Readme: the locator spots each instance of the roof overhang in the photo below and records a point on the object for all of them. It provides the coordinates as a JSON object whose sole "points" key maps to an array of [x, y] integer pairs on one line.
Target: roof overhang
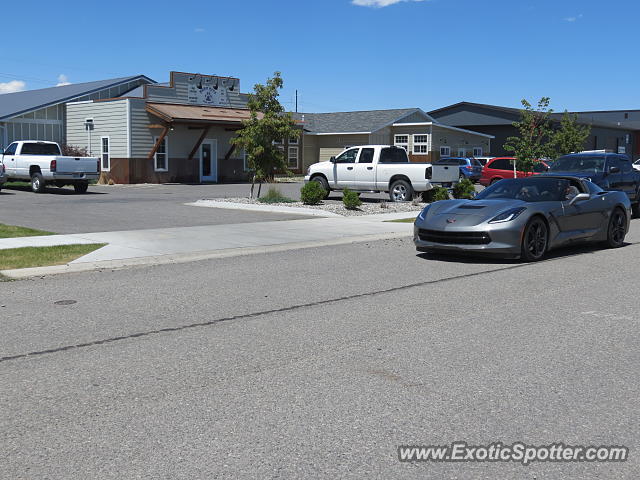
{"points": [[339, 133], [440, 125], [201, 114]]}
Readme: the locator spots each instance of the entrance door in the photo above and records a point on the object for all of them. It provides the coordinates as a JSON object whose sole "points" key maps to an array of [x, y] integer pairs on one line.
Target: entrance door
{"points": [[209, 160]]}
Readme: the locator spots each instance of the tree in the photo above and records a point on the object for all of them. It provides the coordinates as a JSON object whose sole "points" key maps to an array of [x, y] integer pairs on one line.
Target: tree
{"points": [[269, 123], [536, 135], [571, 136]]}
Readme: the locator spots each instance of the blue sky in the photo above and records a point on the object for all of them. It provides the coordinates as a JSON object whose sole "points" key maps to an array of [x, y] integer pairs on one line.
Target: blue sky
{"points": [[339, 55]]}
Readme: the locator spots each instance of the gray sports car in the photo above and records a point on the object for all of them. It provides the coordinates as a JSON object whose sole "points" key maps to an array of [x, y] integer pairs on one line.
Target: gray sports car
{"points": [[525, 218]]}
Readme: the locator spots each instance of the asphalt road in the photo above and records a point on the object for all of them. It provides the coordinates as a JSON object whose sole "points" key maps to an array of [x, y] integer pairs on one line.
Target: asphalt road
{"points": [[318, 363], [127, 207]]}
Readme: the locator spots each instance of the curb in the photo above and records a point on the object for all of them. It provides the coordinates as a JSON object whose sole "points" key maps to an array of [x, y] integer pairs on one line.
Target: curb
{"points": [[264, 208], [190, 257]]}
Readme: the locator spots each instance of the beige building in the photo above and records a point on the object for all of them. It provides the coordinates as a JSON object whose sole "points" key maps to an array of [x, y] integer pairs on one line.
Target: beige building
{"points": [[426, 140]]}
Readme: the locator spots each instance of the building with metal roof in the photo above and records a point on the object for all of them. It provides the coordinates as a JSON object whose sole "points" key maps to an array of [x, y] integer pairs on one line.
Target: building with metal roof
{"points": [[41, 114]]}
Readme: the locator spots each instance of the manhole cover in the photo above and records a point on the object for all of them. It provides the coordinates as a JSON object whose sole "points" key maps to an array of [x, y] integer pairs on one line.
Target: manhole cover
{"points": [[65, 302]]}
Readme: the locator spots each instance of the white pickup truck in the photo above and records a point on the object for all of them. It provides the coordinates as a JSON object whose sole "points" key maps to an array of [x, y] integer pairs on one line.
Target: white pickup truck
{"points": [[42, 163], [373, 168]]}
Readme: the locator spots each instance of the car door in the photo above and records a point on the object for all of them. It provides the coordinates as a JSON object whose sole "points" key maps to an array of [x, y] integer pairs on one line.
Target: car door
{"points": [[343, 171], [613, 172], [582, 218], [365, 173], [626, 170], [9, 159]]}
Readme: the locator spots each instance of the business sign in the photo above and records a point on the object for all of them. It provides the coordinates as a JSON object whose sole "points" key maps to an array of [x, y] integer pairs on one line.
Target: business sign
{"points": [[622, 149], [212, 91]]}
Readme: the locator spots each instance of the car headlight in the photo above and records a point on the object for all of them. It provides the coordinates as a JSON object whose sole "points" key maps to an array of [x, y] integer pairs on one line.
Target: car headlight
{"points": [[423, 214], [508, 215]]}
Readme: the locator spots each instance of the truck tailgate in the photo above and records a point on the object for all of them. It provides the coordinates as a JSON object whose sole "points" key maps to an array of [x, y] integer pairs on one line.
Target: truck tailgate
{"points": [[76, 165]]}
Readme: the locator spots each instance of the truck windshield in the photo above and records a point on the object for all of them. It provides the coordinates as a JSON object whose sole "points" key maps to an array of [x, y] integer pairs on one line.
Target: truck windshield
{"points": [[40, 149], [579, 163]]}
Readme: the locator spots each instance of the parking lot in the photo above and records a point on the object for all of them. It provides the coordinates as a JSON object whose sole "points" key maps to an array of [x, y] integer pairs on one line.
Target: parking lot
{"points": [[128, 207]]}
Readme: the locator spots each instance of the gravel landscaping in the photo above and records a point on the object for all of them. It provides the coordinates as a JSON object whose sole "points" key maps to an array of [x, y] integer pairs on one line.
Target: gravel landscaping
{"points": [[369, 206]]}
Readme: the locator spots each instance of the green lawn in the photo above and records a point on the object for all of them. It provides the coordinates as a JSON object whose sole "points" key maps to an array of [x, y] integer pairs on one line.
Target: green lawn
{"points": [[12, 231], [27, 257], [403, 220]]}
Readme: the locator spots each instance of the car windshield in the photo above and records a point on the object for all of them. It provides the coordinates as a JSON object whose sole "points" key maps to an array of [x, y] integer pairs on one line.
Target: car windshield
{"points": [[532, 189], [579, 163]]}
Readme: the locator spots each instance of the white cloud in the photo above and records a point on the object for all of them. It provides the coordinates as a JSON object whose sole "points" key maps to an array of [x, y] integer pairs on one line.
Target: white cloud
{"points": [[12, 86], [573, 19], [63, 80], [379, 3], [199, 30]]}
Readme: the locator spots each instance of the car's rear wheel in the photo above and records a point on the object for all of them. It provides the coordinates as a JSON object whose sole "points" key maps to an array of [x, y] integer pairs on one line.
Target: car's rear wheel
{"points": [[535, 240], [617, 229], [400, 191], [323, 183], [81, 187], [37, 183]]}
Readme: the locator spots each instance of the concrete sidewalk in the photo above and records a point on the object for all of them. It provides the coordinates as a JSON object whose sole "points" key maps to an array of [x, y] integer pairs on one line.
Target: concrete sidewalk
{"points": [[187, 243]]}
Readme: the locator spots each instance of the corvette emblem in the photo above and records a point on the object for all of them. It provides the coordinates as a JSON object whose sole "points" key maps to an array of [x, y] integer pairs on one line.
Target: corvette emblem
{"points": [[451, 220]]}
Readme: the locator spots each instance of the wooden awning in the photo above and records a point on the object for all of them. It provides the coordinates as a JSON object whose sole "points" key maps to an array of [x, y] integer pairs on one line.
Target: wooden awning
{"points": [[173, 113]]}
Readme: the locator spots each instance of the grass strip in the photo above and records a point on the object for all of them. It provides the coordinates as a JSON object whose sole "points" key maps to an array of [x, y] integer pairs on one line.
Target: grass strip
{"points": [[27, 257], [13, 231]]}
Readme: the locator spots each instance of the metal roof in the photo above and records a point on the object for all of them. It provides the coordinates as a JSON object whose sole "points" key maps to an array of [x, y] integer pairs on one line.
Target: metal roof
{"points": [[18, 103], [349, 122]]}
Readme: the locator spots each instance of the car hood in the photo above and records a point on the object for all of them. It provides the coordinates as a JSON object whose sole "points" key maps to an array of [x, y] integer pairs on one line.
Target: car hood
{"points": [[452, 214]]}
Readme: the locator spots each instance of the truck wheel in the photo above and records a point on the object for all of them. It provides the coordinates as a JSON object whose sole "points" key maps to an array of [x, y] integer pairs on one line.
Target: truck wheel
{"points": [[37, 183], [323, 183], [400, 191], [81, 187]]}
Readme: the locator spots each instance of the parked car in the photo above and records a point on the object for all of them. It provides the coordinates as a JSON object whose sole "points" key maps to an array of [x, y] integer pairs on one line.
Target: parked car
{"points": [[610, 171], [3, 176], [502, 167], [636, 164], [469, 167], [525, 218], [373, 168], [483, 160], [42, 164]]}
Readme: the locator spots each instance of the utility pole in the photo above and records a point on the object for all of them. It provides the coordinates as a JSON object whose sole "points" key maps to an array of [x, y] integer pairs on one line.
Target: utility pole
{"points": [[296, 100]]}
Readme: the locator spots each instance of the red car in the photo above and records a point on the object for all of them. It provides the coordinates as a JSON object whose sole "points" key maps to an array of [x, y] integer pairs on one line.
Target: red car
{"points": [[502, 167]]}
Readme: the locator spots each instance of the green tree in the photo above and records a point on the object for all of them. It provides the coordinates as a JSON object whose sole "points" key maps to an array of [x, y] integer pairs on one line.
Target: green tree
{"points": [[571, 136], [536, 135], [269, 123]]}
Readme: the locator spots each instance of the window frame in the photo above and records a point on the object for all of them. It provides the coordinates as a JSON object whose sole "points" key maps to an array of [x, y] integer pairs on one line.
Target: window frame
{"points": [[108, 153], [297, 150], [401, 144], [166, 155], [424, 144], [448, 154], [294, 141], [477, 154]]}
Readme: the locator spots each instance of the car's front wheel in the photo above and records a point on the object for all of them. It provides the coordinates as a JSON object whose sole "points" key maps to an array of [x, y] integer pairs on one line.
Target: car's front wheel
{"points": [[323, 183], [400, 191], [535, 240], [617, 229]]}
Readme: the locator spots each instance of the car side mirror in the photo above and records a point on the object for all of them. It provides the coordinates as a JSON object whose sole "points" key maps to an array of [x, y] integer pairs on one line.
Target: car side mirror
{"points": [[614, 170], [581, 197], [332, 159]]}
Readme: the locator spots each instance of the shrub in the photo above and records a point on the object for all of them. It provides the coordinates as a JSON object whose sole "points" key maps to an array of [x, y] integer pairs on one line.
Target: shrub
{"points": [[464, 189], [435, 194], [312, 193], [275, 196], [350, 199]]}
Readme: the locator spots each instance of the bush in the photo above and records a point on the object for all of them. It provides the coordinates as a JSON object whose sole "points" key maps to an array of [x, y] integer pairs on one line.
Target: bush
{"points": [[435, 194], [274, 196], [350, 199], [464, 189], [312, 193]]}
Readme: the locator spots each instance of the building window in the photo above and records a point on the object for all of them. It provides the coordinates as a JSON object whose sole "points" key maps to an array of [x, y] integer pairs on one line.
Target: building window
{"points": [[161, 158], [402, 141], [293, 157], [105, 155], [421, 144], [445, 151], [245, 160], [278, 142], [293, 141], [477, 151]]}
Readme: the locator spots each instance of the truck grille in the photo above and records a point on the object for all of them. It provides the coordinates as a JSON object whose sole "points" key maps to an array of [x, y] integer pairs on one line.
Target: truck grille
{"points": [[454, 238]]}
